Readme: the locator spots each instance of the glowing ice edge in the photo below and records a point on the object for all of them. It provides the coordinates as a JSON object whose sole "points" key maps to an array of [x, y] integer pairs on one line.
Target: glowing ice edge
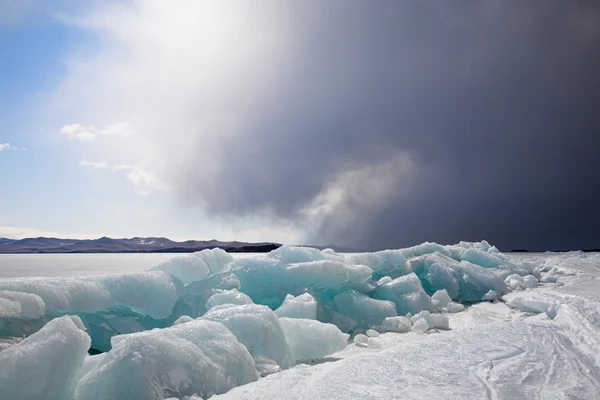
{"points": [[204, 323]]}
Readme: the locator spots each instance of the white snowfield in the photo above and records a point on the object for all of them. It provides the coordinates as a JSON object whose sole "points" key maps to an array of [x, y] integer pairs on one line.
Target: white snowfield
{"points": [[431, 321]]}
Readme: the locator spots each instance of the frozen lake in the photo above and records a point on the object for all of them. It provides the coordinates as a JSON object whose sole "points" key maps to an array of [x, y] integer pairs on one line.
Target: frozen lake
{"points": [[540, 341], [22, 265]]}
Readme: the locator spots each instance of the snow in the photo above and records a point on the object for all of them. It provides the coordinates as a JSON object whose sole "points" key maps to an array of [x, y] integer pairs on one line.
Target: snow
{"points": [[311, 340], [303, 306], [498, 360]]}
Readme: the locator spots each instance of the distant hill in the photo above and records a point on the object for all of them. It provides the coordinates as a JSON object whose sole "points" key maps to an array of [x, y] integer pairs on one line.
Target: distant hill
{"points": [[133, 245]]}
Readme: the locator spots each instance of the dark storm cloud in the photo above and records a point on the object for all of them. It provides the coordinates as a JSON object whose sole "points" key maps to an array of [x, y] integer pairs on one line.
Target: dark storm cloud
{"points": [[497, 103]]}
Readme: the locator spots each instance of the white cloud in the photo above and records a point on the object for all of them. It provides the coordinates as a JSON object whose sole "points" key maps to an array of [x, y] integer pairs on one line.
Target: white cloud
{"points": [[7, 146], [184, 74], [94, 164], [14, 232], [144, 181], [85, 133]]}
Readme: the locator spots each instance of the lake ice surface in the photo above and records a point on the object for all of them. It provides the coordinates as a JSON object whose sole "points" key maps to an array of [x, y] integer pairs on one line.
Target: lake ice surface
{"points": [[29, 265]]}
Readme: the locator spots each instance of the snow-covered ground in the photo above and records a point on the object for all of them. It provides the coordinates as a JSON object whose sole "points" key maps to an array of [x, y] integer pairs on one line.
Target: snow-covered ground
{"points": [[476, 324], [491, 352]]}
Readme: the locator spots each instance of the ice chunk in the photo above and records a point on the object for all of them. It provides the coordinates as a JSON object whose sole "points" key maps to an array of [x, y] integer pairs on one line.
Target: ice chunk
{"points": [[384, 280], [267, 280], [183, 319], [437, 271], [453, 307], [194, 296], [406, 293], [9, 308], [361, 340], [482, 258], [44, 365], [441, 298], [548, 279], [425, 248], [464, 281], [151, 293], [477, 281], [151, 367], [31, 306], [257, 328], [187, 269], [232, 296], [397, 324], [197, 266], [327, 275], [217, 260], [344, 323], [361, 307], [312, 340], [514, 281], [302, 306], [530, 281], [420, 326], [199, 357], [222, 347], [493, 249], [490, 296], [532, 304], [372, 333], [443, 302], [295, 254], [390, 263], [439, 321]]}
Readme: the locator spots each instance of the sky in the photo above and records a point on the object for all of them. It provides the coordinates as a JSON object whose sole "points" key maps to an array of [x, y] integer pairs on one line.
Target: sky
{"points": [[362, 124]]}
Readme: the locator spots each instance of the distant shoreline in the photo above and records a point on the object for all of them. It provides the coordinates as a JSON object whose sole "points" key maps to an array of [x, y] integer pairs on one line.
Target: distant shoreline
{"points": [[135, 245]]}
